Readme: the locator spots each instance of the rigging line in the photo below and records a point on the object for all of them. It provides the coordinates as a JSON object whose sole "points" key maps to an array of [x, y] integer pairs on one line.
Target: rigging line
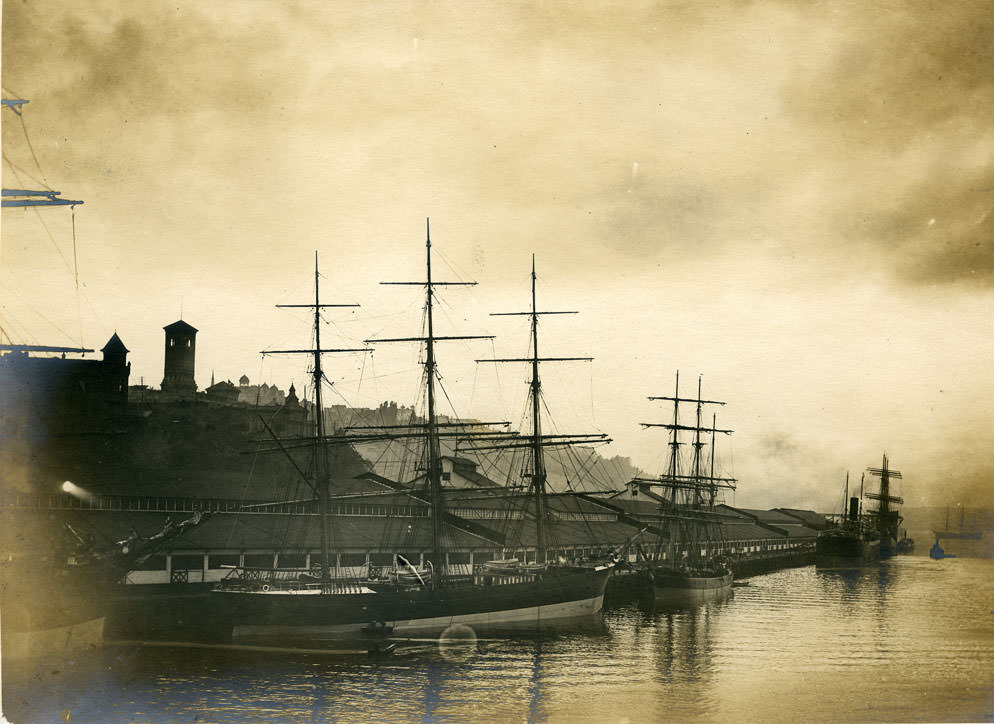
{"points": [[13, 324], [31, 148], [248, 480], [45, 226], [333, 388], [448, 399], [382, 453], [453, 267], [472, 393], [52, 239], [15, 167], [59, 329], [584, 467], [498, 465], [362, 371], [500, 387], [593, 461], [75, 266]]}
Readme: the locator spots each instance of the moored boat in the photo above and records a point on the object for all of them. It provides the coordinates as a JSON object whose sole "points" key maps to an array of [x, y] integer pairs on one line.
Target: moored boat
{"points": [[905, 544], [691, 566], [886, 516], [854, 542], [963, 532], [315, 609], [47, 617], [690, 584], [56, 605], [842, 548]]}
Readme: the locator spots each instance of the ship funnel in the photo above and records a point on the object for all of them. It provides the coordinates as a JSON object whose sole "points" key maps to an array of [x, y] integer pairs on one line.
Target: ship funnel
{"points": [[853, 508]]}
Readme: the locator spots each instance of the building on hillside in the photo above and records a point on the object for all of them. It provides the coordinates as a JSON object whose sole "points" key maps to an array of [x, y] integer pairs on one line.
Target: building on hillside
{"points": [[223, 392], [42, 395], [263, 395], [178, 381]]}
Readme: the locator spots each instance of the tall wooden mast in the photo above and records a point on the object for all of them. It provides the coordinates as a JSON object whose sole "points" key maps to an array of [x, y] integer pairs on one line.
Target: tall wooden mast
{"points": [[434, 456], [537, 442], [686, 491], [321, 469], [888, 520]]}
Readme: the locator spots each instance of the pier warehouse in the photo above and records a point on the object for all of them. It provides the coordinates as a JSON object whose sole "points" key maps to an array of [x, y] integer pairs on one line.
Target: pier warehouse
{"points": [[143, 462]]}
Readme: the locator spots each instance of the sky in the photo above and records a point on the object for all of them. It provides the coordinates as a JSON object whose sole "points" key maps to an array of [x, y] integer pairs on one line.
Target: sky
{"points": [[790, 201]]}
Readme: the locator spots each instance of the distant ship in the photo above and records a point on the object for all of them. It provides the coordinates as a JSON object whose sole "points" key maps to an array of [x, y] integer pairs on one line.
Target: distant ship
{"points": [[936, 552], [905, 544], [886, 516], [959, 534]]}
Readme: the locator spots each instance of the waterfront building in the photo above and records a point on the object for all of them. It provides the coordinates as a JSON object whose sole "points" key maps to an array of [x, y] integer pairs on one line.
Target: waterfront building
{"points": [[167, 456]]}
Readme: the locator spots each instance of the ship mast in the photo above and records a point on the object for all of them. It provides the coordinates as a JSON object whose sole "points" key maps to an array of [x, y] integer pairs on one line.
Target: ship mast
{"points": [[434, 452], [537, 442], [321, 468], [434, 462], [682, 487], [887, 519], [698, 445]]}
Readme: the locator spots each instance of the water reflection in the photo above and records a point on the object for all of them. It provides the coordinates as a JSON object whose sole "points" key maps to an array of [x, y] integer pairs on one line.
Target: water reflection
{"points": [[535, 689], [803, 644], [686, 642]]}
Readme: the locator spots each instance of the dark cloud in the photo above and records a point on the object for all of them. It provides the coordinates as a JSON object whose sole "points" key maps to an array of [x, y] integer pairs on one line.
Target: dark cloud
{"points": [[96, 62], [944, 232], [899, 107]]}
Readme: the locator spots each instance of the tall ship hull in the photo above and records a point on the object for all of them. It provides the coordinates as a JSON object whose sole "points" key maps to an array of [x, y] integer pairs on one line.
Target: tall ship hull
{"points": [[677, 587], [314, 617], [53, 628], [334, 614], [53, 609], [845, 551]]}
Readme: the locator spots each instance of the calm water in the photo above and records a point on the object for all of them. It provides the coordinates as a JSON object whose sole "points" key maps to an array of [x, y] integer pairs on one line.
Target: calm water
{"points": [[910, 640]]}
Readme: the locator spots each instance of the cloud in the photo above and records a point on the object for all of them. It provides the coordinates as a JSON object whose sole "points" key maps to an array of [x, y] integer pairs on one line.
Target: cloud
{"points": [[894, 100]]}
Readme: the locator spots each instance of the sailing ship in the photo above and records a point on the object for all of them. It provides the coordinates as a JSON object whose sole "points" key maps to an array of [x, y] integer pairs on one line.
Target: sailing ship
{"points": [[315, 609], [855, 542], [56, 604], [886, 516], [961, 533], [46, 608], [690, 562], [864, 537]]}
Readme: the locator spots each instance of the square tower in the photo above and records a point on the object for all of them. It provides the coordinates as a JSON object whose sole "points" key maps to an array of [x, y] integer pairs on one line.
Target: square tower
{"points": [[181, 351]]}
